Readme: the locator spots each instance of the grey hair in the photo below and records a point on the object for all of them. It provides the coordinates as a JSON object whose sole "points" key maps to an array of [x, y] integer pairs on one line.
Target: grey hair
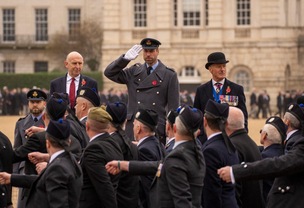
{"points": [[294, 122], [273, 134], [235, 118]]}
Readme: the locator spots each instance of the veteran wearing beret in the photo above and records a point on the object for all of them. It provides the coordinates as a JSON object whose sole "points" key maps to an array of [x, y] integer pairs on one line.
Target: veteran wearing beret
{"points": [[273, 134], [60, 184], [219, 89], [151, 85], [99, 189], [288, 169]]}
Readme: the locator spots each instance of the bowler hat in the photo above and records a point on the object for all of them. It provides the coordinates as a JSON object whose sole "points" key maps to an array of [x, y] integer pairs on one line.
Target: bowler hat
{"points": [[36, 94], [149, 43], [59, 129], [278, 123], [118, 112], [56, 107], [216, 58], [89, 94], [191, 117], [217, 110], [147, 117]]}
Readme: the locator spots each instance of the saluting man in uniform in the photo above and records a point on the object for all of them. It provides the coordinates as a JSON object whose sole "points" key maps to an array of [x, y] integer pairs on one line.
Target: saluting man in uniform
{"points": [[151, 85]]}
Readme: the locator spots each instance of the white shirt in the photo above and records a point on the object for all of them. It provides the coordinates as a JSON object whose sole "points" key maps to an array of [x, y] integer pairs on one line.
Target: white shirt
{"points": [[178, 143], [94, 137], [56, 155], [68, 83], [140, 141]]}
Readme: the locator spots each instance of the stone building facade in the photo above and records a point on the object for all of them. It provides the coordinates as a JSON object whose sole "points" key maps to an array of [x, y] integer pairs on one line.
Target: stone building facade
{"points": [[262, 39]]}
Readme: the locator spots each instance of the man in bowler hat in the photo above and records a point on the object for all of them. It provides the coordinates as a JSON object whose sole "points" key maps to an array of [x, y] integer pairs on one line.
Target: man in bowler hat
{"points": [[151, 85], [219, 89], [59, 185]]}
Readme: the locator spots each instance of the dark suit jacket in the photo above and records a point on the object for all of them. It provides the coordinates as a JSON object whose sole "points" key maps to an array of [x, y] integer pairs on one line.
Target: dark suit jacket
{"points": [[205, 92], [149, 150], [128, 186], [159, 91], [99, 188], [248, 151], [291, 140], [216, 192], [180, 183], [288, 187], [6, 155], [59, 84], [59, 185], [273, 150]]}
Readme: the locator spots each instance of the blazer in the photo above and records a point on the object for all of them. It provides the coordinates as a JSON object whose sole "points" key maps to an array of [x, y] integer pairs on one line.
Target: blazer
{"points": [[248, 151], [291, 140], [158, 91], [59, 185], [216, 192], [205, 92], [273, 150], [6, 165], [180, 182], [99, 188], [288, 187], [149, 150], [128, 186]]}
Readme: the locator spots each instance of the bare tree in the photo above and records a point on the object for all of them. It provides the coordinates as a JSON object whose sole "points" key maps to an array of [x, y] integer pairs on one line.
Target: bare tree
{"points": [[87, 41]]}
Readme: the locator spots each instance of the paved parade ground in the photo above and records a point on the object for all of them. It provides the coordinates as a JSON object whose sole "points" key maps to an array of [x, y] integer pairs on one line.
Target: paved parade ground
{"points": [[8, 124]]}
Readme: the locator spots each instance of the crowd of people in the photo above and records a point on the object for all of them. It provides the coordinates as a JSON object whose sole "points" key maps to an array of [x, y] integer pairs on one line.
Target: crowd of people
{"points": [[156, 147]]}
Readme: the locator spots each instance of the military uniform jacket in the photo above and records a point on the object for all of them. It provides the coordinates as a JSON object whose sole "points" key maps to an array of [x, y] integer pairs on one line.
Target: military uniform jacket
{"points": [[205, 92], [288, 187], [180, 183], [216, 192], [21, 125], [99, 188], [59, 185], [158, 91], [6, 155], [128, 186], [248, 151]]}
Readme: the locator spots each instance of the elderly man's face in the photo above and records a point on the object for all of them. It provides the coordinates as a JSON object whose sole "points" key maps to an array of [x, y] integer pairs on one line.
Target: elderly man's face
{"points": [[218, 71]]}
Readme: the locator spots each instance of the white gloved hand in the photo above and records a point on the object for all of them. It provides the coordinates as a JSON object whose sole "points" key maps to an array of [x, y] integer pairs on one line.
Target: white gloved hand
{"points": [[133, 52]]}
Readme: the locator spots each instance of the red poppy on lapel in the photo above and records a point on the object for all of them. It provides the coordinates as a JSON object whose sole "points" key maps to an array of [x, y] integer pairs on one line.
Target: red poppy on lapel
{"points": [[83, 82], [228, 90], [154, 82]]}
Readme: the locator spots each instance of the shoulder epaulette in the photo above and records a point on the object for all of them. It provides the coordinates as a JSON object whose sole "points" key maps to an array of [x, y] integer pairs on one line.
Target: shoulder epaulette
{"points": [[170, 69]]}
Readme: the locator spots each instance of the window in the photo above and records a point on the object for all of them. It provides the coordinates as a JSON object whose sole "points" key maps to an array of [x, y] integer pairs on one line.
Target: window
{"points": [[41, 24], [190, 72], [140, 13], [41, 66], [175, 12], [8, 24], [74, 24], [191, 12], [243, 12], [9, 66], [243, 78], [206, 12]]}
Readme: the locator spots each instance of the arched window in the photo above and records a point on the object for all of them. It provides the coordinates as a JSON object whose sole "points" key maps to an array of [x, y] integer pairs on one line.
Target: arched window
{"points": [[243, 77]]}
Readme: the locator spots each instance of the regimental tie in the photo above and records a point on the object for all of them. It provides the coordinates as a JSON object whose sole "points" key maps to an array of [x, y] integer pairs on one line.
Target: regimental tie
{"points": [[218, 87], [72, 93], [149, 69]]}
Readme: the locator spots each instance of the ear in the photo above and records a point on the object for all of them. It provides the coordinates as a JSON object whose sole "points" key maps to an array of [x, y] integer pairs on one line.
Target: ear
{"points": [[47, 144], [174, 128]]}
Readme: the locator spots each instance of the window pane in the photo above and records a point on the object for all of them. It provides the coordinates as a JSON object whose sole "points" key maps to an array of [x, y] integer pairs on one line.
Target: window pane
{"points": [[242, 78], [243, 12], [40, 66], [191, 12], [140, 13], [8, 24], [74, 23], [9, 66], [41, 25]]}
